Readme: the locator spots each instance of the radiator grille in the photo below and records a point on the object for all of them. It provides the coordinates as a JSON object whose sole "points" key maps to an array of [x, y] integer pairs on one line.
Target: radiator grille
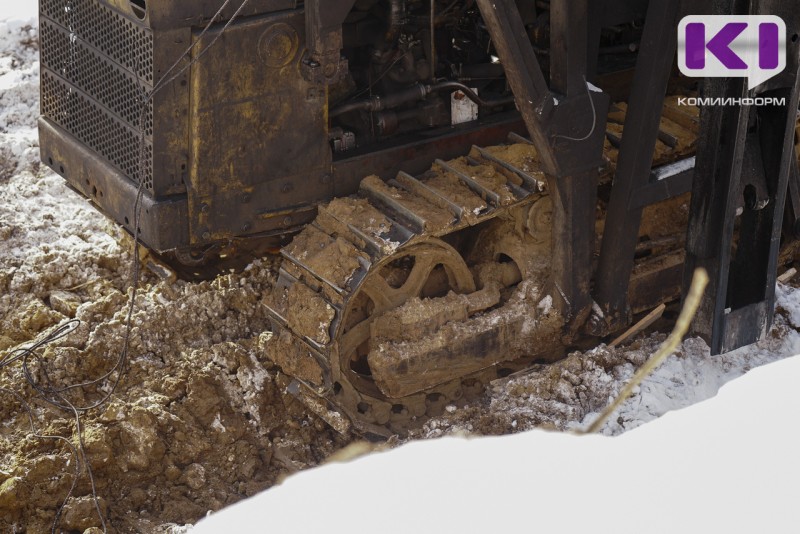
{"points": [[121, 39], [117, 143], [91, 57]]}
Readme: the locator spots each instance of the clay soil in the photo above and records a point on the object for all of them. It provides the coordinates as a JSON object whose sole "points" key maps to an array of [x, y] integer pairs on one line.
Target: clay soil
{"points": [[198, 419]]}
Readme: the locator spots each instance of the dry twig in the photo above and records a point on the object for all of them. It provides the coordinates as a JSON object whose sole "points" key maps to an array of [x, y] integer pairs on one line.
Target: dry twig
{"points": [[699, 282]]}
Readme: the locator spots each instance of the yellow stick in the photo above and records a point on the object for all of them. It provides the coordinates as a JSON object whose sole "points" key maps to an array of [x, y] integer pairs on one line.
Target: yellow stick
{"points": [[649, 319], [699, 282]]}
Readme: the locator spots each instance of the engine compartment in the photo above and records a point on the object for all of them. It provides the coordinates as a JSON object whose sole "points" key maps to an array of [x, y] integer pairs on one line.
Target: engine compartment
{"points": [[417, 65]]}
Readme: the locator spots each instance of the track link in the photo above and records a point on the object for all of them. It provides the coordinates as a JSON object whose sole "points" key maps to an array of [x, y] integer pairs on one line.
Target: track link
{"points": [[349, 323], [329, 291]]}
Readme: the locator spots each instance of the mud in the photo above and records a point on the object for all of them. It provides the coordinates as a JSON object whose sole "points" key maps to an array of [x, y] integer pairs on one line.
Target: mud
{"points": [[682, 139], [316, 250], [425, 355], [556, 396], [199, 419], [488, 177], [197, 422], [373, 223], [434, 217], [452, 188]]}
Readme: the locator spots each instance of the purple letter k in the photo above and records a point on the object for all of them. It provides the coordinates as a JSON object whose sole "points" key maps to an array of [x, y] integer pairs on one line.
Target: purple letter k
{"points": [[719, 45]]}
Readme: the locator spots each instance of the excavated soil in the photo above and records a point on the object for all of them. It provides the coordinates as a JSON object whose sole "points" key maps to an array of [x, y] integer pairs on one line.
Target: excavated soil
{"points": [[197, 421]]}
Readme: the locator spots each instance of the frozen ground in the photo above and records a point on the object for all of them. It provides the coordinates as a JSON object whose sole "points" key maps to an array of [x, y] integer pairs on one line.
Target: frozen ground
{"points": [[199, 420]]}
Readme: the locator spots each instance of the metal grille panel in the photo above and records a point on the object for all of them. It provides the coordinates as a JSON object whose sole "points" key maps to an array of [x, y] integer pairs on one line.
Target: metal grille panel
{"points": [[86, 120], [121, 39], [91, 58], [119, 92]]}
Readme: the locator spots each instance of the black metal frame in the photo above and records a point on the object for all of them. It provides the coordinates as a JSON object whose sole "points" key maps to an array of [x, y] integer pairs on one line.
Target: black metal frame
{"points": [[635, 186], [744, 161], [567, 126]]}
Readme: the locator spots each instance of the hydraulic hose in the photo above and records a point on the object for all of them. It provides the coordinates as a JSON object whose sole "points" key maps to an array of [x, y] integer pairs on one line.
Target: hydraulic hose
{"points": [[415, 93]]}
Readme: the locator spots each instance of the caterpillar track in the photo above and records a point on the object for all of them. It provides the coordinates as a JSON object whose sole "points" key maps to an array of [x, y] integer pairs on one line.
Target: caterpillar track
{"points": [[418, 291]]}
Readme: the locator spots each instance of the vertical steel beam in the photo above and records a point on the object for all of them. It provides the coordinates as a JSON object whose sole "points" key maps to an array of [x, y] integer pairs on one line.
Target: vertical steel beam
{"points": [[745, 149], [569, 37], [653, 66], [744, 160], [594, 34], [567, 129], [712, 212], [575, 194], [523, 72]]}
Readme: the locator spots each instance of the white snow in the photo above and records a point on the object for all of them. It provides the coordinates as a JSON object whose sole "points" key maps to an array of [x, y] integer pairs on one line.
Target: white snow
{"points": [[19, 10], [545, 305], [672, 169], [724, 465], [217, 425], [593, 87], [692, 376], [51, 226]]}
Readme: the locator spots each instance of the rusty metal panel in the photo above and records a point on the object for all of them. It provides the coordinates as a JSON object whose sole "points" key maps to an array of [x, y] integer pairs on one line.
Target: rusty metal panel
{"points": [[163, 224], [258, 130], [170, 14]]}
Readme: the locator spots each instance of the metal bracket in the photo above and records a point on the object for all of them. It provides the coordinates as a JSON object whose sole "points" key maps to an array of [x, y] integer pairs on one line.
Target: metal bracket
{"points": [[323, 63]]}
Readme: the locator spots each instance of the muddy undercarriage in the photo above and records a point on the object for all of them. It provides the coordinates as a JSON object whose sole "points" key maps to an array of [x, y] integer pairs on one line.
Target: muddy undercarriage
{"points": [[406, 297]]}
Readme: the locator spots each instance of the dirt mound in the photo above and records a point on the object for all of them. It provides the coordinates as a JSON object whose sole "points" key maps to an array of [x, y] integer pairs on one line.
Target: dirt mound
{"points": [[199, 419], [556, 396]]}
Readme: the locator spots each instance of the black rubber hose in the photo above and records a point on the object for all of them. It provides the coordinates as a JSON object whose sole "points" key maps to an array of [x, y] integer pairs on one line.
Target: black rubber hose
{"points": [[469, 93], [377, 103], [414, 93]]}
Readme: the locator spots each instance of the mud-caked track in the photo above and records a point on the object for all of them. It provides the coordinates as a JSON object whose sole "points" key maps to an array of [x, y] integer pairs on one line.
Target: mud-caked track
{"points": [[399, 300], [439, 238]]}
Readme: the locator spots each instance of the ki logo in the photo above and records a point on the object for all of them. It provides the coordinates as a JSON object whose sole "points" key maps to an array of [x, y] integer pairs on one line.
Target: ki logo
{"points": [[727, 46]]}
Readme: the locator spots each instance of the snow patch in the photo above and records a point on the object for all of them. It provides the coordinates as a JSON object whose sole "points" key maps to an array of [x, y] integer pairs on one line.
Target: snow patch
{"points": [[545, 305], [593, 88], [217, 425]]}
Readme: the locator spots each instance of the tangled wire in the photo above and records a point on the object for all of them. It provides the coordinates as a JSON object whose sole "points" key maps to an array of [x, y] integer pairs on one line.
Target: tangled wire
{"points": [[55, 397], [34, 365]]}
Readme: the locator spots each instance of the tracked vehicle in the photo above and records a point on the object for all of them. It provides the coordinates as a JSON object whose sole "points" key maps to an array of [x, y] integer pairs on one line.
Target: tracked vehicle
{"points": [[458, 187]]}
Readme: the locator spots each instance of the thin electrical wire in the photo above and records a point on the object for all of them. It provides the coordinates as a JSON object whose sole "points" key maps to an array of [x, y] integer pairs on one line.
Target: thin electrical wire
{"points": [[594, 118], [56, 396], [36, 434]]}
